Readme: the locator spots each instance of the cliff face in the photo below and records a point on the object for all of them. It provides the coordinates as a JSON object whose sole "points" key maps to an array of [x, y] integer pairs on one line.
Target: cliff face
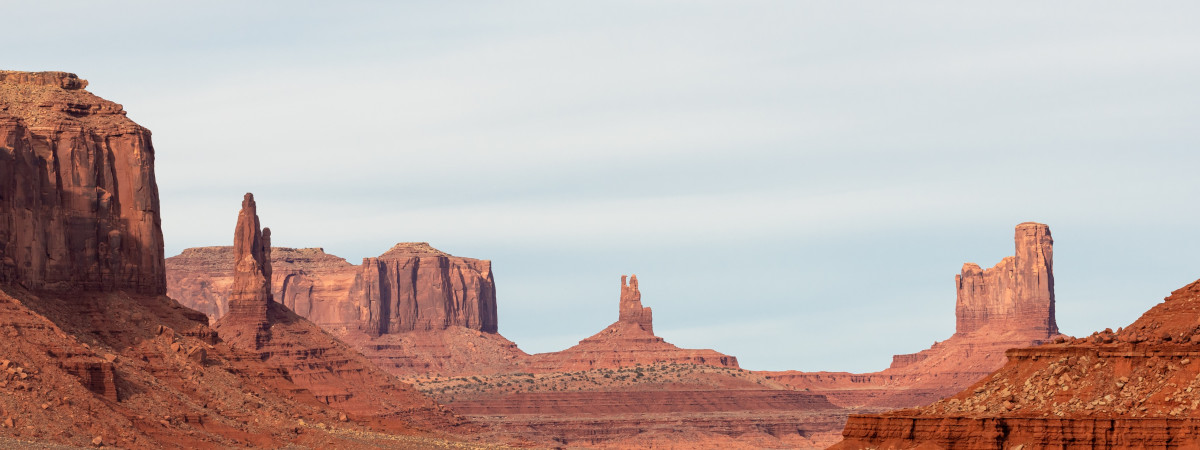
{"points": [[94, 355], [416, 287], [1138, 387], [412, 287], [78, 199], [1015, 296]]}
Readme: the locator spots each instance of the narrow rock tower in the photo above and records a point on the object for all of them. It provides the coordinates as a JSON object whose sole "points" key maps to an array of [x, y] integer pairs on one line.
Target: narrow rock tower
{"points": [[631, 305], [1015, 296], [251, 296]]}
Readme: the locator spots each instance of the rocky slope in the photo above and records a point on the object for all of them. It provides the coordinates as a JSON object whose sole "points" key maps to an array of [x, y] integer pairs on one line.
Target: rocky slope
{"points": [[627, 387], [628, 342], [94, 354], [1138, 387], [1007, 306]]}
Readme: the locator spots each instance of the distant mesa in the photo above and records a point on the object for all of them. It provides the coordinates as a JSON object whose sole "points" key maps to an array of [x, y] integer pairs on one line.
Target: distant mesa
{"points": [[314, 360], [628, 342], [412, 310], [410, 287]]}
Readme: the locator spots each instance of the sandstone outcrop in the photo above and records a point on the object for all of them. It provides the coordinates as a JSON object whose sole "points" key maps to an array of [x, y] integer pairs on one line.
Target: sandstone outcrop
{"points": [[647, 406], [251, 295], [79, 208], [93, 353], [631, 310], [412, 310], [1007, 306], [627, 342], [1014, 297], [1137, 387], [411, 287], [313, 359]]}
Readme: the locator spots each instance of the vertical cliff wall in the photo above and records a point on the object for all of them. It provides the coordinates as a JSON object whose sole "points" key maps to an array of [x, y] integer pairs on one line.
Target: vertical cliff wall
{"points": [[411, 287], [78, 199], [416, 287], [1017, 295]]}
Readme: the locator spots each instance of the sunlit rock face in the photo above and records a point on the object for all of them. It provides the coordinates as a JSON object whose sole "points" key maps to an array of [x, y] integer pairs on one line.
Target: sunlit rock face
{"points": [[78, 199]]}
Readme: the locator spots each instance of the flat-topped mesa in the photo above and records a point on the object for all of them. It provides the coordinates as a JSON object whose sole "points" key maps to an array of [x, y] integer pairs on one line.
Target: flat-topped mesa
{"points": [[251, 295], [1017, 295], [78, 199], [631, 305], [415, 287]]}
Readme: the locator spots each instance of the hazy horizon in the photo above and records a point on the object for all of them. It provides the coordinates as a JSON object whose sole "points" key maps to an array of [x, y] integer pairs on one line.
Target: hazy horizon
{"points": [[794, 183]]}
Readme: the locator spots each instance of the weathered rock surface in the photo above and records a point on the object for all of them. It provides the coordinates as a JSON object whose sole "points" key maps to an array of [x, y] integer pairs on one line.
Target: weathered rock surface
{"points": [[412, 310], [627, 342], [411, 287], [631, 310], [313, 359], [1007, 306], [93, 353], [79, 208], [1014, 297], [647, 406], [1135, 388]]}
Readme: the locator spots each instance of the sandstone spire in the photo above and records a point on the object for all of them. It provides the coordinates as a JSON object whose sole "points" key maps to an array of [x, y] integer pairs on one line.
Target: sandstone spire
{"points": [[631, 305], [1015, 296], [251, 294]]}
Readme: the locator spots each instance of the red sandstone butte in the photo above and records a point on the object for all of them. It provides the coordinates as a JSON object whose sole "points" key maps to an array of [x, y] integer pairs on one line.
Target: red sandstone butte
{"points": [[93, 353], [412, 310], [1136, 388], [314, 360], [80, 209], [627, 342], [1007, 306], [411, 287]]}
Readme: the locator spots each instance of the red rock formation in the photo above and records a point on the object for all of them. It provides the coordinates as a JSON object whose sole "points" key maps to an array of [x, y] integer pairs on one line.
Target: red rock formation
{"points": [[433, 306], [1007, 306], [93, 354], [1136, 388], [631, 309], [412, 287], [416, 287], [251, 293], [627, 342], [80, 203], [1017, 295], [311, 358]]}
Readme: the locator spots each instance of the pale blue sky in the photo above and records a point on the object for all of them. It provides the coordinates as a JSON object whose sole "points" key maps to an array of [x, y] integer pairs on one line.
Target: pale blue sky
{"points": [[795, 183]]}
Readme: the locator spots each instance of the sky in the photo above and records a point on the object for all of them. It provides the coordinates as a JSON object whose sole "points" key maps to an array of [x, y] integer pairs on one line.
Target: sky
{"points": [[795, 183]]}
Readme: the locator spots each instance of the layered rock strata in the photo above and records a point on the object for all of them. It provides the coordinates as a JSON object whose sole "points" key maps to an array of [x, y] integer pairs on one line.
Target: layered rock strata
{"points": [[79, 208], [1138, 387], [627, 342]]}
